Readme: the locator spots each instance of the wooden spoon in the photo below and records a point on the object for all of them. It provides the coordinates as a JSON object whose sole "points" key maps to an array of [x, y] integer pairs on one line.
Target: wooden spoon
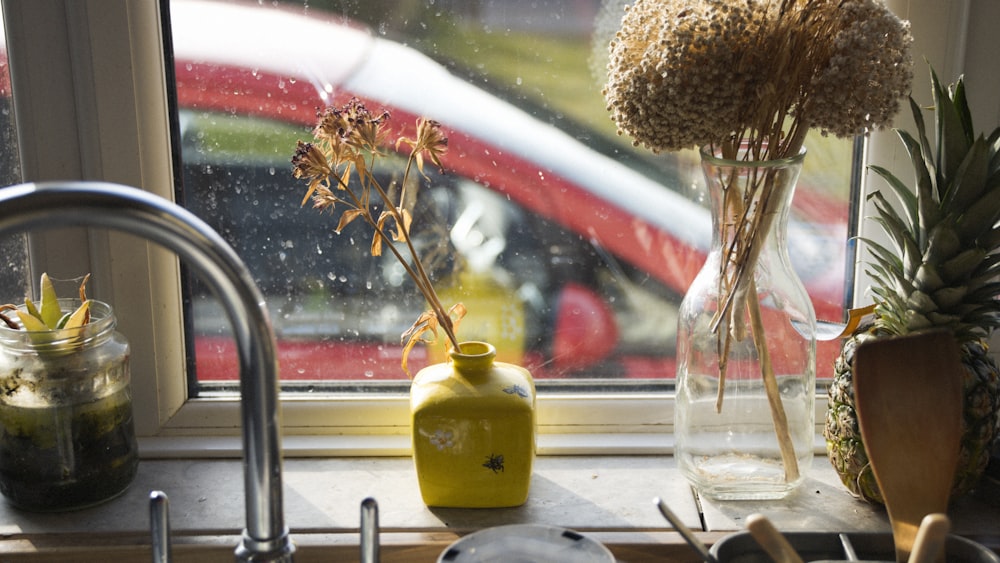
{"points": [[908, 396], [928, 547], [771, 540]]}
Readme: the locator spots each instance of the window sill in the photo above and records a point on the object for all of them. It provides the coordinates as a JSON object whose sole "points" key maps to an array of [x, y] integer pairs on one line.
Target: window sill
{"points": [[608, 497], [397, 445]]}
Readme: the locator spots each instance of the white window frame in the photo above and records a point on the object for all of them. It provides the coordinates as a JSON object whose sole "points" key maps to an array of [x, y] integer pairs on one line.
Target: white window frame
{"points": [[92, 104]]}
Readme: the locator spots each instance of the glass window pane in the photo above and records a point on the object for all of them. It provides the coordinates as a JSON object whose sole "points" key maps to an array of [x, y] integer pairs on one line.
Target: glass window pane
{"points": [[570, 248], [14, 262]]}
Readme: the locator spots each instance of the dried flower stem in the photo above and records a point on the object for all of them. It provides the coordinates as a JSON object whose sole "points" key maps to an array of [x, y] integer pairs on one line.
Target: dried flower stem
{"points": [[748, 214], [349, 142], [737, 284], [418, 273], [778, 416]]}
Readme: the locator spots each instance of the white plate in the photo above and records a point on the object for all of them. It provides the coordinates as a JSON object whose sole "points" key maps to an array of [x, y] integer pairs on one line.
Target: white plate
{"points": [[526, 543]]}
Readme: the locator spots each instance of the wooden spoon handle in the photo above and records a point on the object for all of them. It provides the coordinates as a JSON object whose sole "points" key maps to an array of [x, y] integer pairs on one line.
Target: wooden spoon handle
{"points": [[771, 540], [928, 547]]}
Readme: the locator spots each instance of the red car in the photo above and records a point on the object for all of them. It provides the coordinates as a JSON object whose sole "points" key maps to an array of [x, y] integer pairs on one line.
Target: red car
{"points": [[572, 251]]}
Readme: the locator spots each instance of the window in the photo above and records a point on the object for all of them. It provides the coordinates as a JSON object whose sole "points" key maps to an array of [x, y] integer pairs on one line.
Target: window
{"points": [[14, 267], [113, 126], [571, 249]]}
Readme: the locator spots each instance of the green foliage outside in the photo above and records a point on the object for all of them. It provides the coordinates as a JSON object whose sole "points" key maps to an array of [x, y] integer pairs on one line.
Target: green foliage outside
{"points": [[552, 71]]}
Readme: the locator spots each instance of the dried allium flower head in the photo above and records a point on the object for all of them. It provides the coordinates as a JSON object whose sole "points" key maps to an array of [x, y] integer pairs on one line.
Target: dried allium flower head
{"points": [[686, 73]]}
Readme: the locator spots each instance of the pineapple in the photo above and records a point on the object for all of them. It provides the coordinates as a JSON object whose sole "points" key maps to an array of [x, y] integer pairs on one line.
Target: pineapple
{"points": [[940, 273]]}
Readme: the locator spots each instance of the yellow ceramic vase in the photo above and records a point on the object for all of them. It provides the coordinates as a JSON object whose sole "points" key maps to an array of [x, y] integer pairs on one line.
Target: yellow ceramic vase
{"points": [[473, 425]]}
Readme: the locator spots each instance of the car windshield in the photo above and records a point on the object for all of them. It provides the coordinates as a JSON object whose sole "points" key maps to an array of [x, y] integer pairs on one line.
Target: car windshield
{"points": [[570, 248]]}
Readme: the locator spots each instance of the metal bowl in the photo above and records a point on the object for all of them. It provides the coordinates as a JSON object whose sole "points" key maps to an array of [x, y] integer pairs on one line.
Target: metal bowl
{"points": [[526, 543]]}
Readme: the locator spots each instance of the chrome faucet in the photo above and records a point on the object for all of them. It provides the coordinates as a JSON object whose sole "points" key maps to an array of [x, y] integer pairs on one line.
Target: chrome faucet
{"points": [[97, 204]]}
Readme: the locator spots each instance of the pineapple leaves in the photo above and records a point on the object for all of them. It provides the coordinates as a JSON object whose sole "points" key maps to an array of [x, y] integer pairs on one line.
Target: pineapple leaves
{"points": [[984, 318], [928, 277], [962, 265], [994, 144], [981, 216], [945, 228], [983, 279], [902, 193], [920, 303], [986, 293], [957, 95], [990, 266], [991, 239], [967, 186], [925, 145], [942, 243], [952, 137], [896, 228], [948, 298], [889, 267], [928, 185]]}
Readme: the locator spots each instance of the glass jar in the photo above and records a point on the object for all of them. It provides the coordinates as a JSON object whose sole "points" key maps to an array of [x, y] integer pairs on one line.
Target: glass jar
{"points": [[746, 344], [67, 436]]}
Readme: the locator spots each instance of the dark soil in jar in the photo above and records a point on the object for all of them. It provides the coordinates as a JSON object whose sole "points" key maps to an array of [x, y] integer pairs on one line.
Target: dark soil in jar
{"points": [[65, 457]]}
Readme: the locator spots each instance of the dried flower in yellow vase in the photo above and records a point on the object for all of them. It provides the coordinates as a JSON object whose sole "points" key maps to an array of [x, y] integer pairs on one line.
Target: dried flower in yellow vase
{"points": [[348, 143]]}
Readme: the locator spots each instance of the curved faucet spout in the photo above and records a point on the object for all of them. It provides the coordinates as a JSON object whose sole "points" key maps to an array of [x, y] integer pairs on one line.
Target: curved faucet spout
{"points": [[98, 204]]}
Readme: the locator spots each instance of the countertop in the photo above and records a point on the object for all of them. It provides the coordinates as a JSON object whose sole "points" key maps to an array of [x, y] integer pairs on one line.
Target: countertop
{"points": [[607, 497]]}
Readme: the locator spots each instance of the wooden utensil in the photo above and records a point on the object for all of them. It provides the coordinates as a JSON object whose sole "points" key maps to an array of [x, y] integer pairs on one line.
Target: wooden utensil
{"points": [[928, 546], [771, 540], [908, 396]]}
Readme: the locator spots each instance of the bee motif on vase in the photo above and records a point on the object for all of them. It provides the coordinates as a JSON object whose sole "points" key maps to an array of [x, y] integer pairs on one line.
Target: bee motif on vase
{"points": [[494, 463], [516, 390]]}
